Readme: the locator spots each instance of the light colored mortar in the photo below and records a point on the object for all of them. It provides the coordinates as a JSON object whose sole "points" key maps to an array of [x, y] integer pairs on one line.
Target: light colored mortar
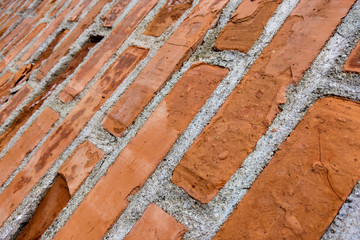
{"points": [[324, 78]]}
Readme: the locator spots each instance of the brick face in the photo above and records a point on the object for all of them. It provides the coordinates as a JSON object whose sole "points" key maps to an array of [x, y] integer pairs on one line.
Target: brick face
{"points": [[114, 12], [97, 213], [353, 62], [245, 116], [303, 187]]}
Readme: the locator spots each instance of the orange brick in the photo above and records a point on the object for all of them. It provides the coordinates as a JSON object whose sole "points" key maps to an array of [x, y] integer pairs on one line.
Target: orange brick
{"points": [[36, 103], [56, 9], [8, 25], [26, 143], [6, 40], [155, 224], [14, 102], [11, 55], [75, 33], [114, 12], [83, 6], [301, 190], [166, 61], [168, 14], [246, 25], [353, 62], [4, 78], [104, 204], [67, 131], [245, 116], [79, 165], [71, 175], [106, 50]]}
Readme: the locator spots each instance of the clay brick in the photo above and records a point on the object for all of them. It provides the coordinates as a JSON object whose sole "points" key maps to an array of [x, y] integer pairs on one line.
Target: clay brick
{"points": [[36, 103], [168, 14], [67, 131], [56, 9], [246, 25], [83, 6], [6, 40], [26, 143], [106, 50], [114, 12], [104, 203], [71, 175], [301, 190], [75, 33], [14, 102], [155, 224], [8, 25], [166, 61], [353, 62], [11, 55], [4, 78], [54, 201], [245, 116], [79, 165]]}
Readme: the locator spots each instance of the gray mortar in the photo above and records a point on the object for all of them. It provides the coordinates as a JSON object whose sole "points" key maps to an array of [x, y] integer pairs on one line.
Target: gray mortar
{"points": [[202, 220]]}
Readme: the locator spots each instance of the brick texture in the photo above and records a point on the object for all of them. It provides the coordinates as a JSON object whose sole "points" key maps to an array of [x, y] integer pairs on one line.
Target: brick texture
{"points": [[114, 12], [353, 63]]}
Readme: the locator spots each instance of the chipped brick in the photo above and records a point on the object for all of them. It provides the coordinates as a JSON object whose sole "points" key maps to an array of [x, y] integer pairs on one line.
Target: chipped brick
{"points": [[155, 224], [66, 132], [106, 50], [75, 16], [26, 143], [250, 109], [166, 61], [303, 187], [353, 62], [246, 25], [168, 14], [103, 205]]}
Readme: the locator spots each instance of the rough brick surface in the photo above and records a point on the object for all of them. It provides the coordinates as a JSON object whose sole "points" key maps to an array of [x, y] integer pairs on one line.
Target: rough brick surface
{"points": [[353, 63], [303, 187], [244, 118]]}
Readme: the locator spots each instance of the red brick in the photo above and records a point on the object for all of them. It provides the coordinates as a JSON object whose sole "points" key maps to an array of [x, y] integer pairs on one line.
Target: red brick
{"points": [[353, 62], [26, 143], [54, 201], [108, 199], [4, 78], [14, 102], [114, 12], [301, 190], [8, 25], [155, 224], [75, 33], [106, 50], [168, 14], [36, 103], [79, 165], [249, 110], [67, 131], [83, 6], [11, 55], [18, 78], [71, 175], [6, 40], [246, 25], [56, 9], [166, 61]]}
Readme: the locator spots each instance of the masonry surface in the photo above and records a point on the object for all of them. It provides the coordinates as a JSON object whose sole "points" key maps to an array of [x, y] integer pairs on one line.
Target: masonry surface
{"points": [[180, 119]]}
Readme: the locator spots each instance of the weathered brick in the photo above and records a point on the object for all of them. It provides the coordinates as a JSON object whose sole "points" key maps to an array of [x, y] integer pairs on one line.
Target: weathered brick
{"points": [[75, 33], [12, 54], [4, 78], [103, 205], [79, 165], [246, 25], [6, 40], [8, 25], [303, 187], [168, 14], [353, 62], [166, 61], [114, 12], [36, 103], [83, 6], [26, 143], [66, 132], [14, 102], [56, 9], [245, 116], [106, 50], [155, 224]]}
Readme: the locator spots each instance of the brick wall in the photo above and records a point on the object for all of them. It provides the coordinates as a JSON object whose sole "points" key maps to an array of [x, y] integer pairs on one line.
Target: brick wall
{"points": [[194, 119]]}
